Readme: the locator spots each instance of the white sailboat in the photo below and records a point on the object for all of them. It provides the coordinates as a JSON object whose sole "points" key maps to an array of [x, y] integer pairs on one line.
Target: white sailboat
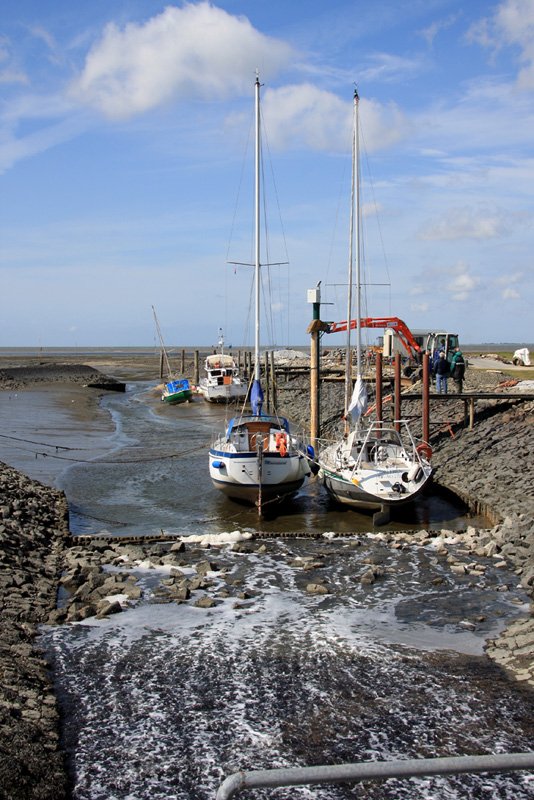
{"points": [[376, 465], [222, 382], [257, 459]]}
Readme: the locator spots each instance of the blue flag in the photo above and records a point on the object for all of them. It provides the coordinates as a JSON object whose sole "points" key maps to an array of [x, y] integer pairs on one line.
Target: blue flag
{"points": [[256, 398]]}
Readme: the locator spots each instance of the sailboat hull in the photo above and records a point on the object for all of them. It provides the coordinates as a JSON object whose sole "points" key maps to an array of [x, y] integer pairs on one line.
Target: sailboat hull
{"points": [[177, 397], [178, 391], [373, 469], [379, 495], [243, 476], [257, 459]]}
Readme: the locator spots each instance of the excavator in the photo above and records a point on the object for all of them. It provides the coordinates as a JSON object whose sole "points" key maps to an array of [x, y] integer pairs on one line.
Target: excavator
{"points": [[414, 345]]}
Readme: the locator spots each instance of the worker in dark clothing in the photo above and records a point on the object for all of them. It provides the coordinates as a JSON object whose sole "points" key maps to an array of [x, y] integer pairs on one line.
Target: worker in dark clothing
{"points": [[458, 369], [442, 370]]}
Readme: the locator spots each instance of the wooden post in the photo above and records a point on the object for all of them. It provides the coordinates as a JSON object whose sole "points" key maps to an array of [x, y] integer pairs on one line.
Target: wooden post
{"points": [[471, 413], [161, 365], [196, 368], [426, 400], [183, 361], [314, 389], [379, 387], [314, 295], [397, 391]]}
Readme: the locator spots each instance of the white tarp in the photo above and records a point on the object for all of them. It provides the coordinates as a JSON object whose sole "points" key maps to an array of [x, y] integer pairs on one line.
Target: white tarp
{"points": [[524, 355], [358, 403]]}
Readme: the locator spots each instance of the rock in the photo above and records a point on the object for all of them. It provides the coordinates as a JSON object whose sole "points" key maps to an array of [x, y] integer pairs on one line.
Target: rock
{"points": [[205, 602], [105, 608], [316, 588]]}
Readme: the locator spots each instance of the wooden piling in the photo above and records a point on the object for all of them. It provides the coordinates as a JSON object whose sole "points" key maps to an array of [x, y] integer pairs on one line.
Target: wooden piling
{"points": [[397, 391], [379, 387], [426, 399], [314, 389]]}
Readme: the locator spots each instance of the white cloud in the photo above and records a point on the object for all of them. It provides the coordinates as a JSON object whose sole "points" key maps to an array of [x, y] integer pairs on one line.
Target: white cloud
{"points": [[466, 223], [510, 294], [389, 68], [194, 51], [306, 116], [420, 308], [9, 73], [430, 33], [512, 24], [461, 283]]}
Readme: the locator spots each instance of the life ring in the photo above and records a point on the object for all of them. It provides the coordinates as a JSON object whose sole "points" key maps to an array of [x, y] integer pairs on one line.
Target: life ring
{"points": [[424, 450], [281, 444]]}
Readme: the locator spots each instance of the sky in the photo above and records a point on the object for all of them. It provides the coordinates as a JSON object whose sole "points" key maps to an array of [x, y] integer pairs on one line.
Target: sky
{"points": [[126, 167]]}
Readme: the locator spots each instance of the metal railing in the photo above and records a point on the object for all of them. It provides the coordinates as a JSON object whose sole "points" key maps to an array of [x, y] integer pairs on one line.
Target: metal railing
{"points": [[373, 770]]}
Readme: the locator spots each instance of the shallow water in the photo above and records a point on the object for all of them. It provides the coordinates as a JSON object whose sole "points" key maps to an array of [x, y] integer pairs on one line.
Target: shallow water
{"points": [[165, 699], [148, 471]]}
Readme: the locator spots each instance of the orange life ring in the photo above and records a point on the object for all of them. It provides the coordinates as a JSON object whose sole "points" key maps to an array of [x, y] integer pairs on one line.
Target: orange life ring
{"points": [[281, 444], [424, 450]]}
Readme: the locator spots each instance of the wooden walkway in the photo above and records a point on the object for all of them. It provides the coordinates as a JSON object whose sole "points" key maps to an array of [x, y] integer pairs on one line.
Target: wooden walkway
{"points": [[469, 399]]}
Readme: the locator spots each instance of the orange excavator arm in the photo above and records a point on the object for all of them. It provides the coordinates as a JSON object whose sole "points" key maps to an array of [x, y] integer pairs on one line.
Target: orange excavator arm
{"points": [[401, 329]]}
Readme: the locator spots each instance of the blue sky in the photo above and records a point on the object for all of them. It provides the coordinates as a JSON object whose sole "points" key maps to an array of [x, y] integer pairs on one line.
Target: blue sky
{"points": [[124, 166]]}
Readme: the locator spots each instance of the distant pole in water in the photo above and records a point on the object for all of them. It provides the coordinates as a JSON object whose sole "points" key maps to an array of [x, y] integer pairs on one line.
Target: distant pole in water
{"points": [[273, 382]]}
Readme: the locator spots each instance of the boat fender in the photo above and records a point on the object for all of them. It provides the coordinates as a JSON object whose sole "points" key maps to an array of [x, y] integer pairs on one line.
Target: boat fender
{"points": [[281, 444], [217, 464], [424, 450], [311, 452], [415, 473]]}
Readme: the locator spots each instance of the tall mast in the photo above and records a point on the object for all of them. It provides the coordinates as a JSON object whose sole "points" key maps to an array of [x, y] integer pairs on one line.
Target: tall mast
{"points": [[353, 245], [162, 345], [357, 214], [257, 231]]}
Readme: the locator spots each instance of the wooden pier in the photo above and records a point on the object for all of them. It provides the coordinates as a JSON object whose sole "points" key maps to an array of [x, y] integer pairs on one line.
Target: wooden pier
{"points": [[469, 399]]}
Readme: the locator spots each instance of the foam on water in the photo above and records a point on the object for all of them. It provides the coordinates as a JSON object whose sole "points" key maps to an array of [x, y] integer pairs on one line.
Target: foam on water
{"points": [[165, 700]]}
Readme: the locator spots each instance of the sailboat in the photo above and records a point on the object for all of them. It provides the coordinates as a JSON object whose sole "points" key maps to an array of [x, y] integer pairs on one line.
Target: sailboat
{"points": [[257, 459], [375, 465], [174, 390], [222, 382]]}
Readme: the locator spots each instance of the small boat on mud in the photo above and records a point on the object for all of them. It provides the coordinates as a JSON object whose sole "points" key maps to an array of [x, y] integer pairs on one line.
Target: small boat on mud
{"points": [[222, 382], [175, 390]]}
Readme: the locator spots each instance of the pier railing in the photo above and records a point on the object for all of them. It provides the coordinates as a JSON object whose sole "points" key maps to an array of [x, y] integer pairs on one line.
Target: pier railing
{"points": [[373, 770]]}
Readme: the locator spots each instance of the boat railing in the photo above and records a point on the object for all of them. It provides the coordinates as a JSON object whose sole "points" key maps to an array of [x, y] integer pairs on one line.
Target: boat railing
{"points": [[373, 771]]}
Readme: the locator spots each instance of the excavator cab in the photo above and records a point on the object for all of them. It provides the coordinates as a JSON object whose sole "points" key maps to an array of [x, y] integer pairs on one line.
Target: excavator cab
{"points": [[442, 341]]}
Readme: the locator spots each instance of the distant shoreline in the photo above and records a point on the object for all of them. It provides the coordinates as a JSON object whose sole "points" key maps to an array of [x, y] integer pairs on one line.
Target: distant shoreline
{"points": [[142, 350]]}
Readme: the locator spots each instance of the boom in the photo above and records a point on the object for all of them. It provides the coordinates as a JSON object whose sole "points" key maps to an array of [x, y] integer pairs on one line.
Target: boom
{"points": [[396, 324]]}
